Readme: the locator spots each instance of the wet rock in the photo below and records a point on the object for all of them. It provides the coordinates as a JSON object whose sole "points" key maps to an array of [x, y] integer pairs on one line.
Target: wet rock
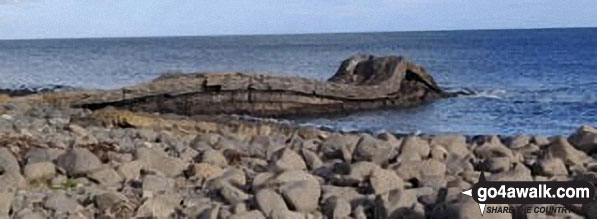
{"points": [[156, 161], [269, 200], [337, 208], [39, 171], [79, 161], [287, 159], [585, 139]]}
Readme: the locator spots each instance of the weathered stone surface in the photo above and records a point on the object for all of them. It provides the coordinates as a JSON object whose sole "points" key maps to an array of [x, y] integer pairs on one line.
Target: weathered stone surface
{"points": [[214, 157], [337, 208], [383, 181], [287, 159], [161, 206], [454, 144], [79, 161], [60, 202], [552, 167], [421, 169], [39, 171], [414, 148], [269, 200], [303, 196], [155, 161], [130, 170], [153, 185], [248, 215], [371, 149], [106, 176], [202, 171]]}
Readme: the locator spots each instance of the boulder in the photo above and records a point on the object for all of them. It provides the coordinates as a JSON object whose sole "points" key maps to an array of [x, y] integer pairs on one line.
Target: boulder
{"points": [[287, 159], [39, 171], [371, 149], [106, 176], [414, 148], [302, 196], [156, 161], [383, 181], [161, 206], [560, 148], [214, 157], [269, 200], [585, 139], [59, 202], [454, 144], [337, 208], [552, 167], [79, 161]]}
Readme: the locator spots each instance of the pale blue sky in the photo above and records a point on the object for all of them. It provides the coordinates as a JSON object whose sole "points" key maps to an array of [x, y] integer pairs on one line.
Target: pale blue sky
{"points": [[118, 18]]}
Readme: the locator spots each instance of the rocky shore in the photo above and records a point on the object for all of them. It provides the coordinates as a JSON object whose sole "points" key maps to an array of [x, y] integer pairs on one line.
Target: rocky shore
{"points": [[76, 163], [120, 154]]}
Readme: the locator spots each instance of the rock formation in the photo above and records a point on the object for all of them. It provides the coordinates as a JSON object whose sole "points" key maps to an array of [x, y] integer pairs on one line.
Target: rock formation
{"points": [[361, 83]]}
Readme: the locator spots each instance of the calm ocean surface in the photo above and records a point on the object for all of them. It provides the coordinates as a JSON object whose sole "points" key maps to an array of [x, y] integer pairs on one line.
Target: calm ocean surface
{"points": [[528, 81]]}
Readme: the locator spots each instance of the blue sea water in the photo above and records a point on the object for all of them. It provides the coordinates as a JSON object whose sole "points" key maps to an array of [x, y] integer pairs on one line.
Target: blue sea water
{"points": [[527, 81]]}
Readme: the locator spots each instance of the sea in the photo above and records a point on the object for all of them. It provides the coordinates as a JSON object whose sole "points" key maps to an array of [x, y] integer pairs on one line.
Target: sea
{"points": [[533, 81]]}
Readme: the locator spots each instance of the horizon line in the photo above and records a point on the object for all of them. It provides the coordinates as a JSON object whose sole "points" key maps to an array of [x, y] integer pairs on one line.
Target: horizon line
{"points": [[290, 34]]}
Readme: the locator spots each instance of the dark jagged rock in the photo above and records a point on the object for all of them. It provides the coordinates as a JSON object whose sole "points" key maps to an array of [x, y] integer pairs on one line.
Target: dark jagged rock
{"points": [[361, 83]]}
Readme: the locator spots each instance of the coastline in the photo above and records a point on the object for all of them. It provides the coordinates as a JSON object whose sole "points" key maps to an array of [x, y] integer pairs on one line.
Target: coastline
{"points": [[60, 161]]}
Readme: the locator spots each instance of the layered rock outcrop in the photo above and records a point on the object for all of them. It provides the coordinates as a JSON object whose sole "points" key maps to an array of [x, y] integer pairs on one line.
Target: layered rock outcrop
{"points": [[361, 83]]}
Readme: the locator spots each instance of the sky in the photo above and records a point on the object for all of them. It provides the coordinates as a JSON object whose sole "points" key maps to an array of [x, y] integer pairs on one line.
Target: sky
{"points": [[27, 19]]}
